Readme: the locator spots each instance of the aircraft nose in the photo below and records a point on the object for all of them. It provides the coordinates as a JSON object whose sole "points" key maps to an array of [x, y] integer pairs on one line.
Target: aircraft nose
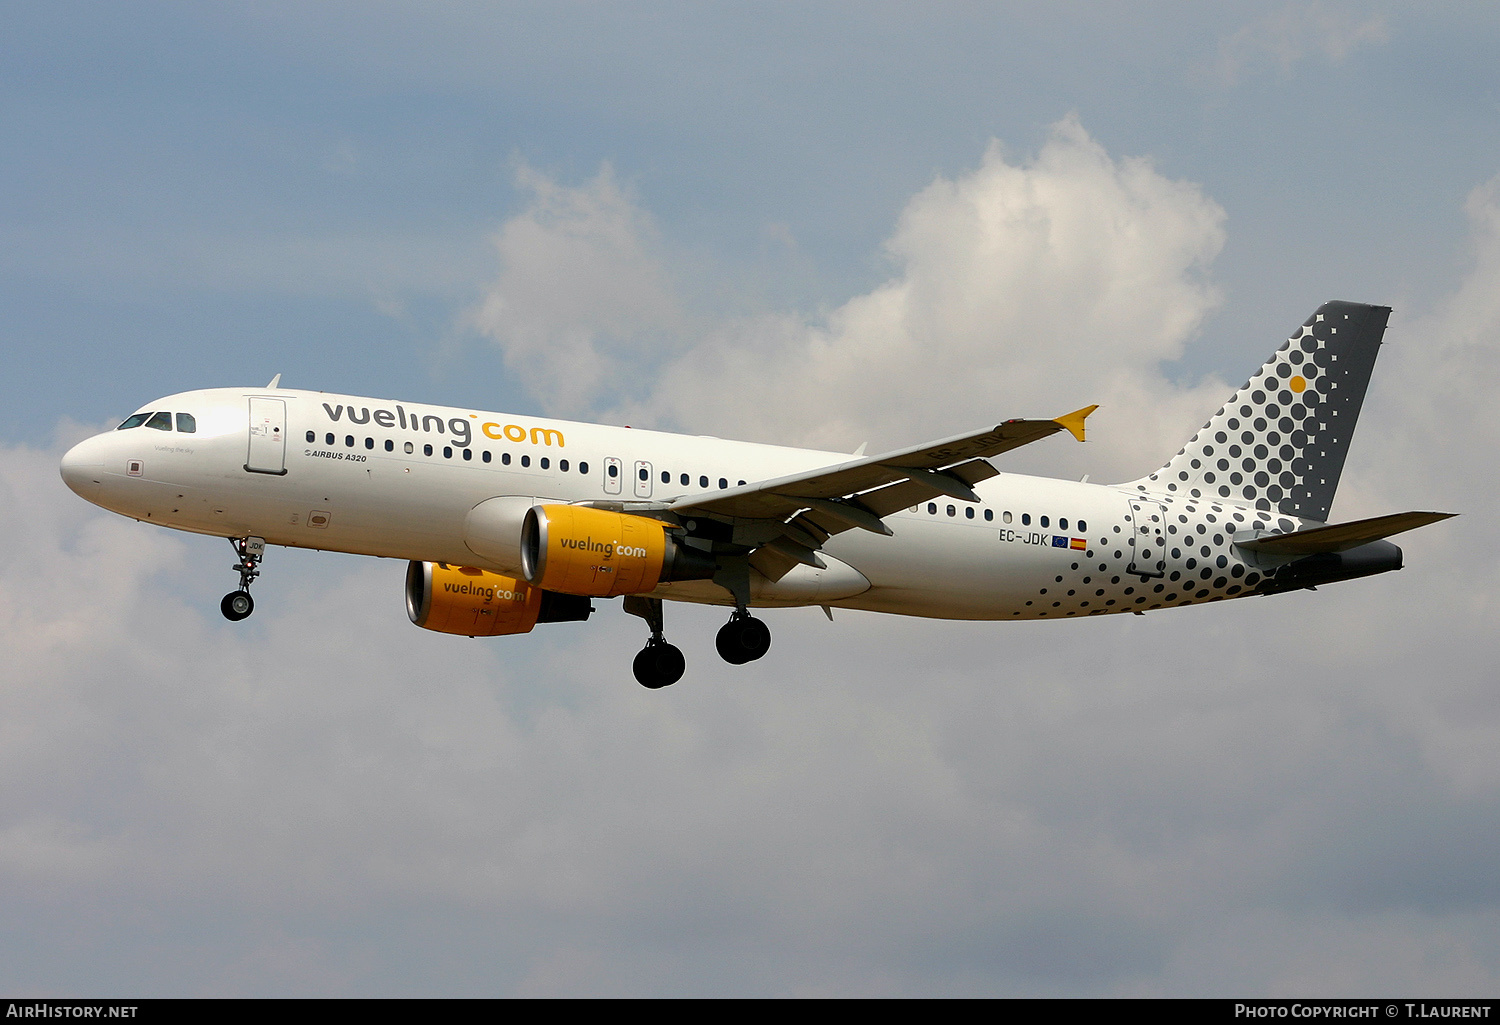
{"points": [[82, 468]]}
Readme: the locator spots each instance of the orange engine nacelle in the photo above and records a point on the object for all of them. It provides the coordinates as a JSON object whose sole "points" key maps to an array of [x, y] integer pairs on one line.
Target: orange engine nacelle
{"points": [[601, 554], [477, 603]]}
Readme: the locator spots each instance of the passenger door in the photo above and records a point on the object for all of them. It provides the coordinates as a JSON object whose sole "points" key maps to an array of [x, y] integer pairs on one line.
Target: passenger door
{"points": [[267, 452]]}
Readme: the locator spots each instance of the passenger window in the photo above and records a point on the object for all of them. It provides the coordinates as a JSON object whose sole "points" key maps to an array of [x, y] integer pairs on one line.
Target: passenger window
{"points": [[989, 514], [969, 512], [311, 437], [1082, 526], [685, 479], [703, 482], [160, 421], [932, 508], [505, 458], [369, 443], [1005, 516], [133, 421], [348, 441], [1044, 521], [951, 510], [408, 448], [1062, 523], [328, 440], [562, 464], [525, 460], [723, 483], [447, 451], [546, 463], [468, 454], [390, 446], [666, 478], [583, 467], [486, 456], [186, 424], [427, 450], [1026, 519]]}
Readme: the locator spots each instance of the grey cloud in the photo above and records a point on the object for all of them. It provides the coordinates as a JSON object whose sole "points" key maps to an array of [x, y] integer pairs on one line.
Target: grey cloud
{"points": [[1269, 796]]}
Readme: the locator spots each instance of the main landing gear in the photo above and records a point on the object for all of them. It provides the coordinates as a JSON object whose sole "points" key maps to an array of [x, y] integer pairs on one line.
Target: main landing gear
{"points": [[238, 605], [658, 664], [743, 639]]}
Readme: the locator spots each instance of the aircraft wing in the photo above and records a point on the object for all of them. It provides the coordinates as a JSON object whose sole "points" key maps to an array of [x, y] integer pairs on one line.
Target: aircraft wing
{"points": [[861, 491], [1340, 537]]}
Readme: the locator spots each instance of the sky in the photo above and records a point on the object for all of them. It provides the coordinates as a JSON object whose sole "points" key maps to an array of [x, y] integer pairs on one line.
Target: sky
{"points": [[822, 224]]}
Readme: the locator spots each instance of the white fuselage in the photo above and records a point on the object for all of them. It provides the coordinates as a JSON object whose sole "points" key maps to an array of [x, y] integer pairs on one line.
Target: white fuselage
{"points": [[398, 480]]}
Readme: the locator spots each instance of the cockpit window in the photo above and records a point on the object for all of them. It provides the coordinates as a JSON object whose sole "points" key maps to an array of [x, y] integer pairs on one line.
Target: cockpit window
{"points": [[186, 424], [133, 421], [160, 421]]}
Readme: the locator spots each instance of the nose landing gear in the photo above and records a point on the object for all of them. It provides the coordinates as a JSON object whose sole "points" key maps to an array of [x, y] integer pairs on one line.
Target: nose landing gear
{"points": [[743, 639], [238, 605]]}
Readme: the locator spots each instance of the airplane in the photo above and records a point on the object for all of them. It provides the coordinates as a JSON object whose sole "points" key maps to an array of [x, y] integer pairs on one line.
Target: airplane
{"points": [[509, 521]]}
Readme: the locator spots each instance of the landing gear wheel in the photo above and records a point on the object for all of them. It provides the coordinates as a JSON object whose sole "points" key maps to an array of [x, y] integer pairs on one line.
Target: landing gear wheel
{"points": [[658, 665], [237, 605], [743, 639]]}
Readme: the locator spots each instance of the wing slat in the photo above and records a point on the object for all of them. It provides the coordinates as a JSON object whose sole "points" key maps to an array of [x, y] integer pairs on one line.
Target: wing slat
{"points": [[884, 483]]}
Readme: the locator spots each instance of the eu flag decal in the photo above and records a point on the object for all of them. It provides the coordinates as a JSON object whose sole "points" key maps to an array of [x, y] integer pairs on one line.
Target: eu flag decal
{"points": [[1059, 541]]}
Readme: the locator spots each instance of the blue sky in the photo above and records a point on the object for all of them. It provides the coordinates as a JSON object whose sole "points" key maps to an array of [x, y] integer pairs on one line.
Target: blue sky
{"points": [[256, 181], [802, 222]]}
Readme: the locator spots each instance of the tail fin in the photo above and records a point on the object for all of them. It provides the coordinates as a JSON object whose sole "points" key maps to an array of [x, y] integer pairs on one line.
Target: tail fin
{"points": [[1280, 442]]}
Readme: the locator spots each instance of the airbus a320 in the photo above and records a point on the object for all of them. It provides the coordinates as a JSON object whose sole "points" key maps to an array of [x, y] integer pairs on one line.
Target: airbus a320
{"points": [[513, 521]]}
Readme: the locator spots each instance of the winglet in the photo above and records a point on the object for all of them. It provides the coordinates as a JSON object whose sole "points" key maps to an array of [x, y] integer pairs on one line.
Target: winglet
{"points": [[1073, 422], [275, 382]]}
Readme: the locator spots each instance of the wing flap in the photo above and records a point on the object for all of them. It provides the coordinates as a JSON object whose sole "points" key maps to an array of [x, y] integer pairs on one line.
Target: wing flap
{"points": [[947, 467]]}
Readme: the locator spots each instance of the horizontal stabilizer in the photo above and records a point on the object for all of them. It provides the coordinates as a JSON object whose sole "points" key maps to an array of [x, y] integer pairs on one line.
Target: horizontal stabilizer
{"points": [[1340, 537]]}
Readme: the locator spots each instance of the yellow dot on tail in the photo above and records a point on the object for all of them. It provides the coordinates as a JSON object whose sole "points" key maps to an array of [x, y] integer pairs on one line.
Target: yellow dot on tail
{"points": [[1298, 384]]}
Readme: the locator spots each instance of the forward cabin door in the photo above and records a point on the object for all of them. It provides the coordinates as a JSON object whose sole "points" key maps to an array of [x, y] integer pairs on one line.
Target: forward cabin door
{"points": [[267, 436], [1149, 538]]}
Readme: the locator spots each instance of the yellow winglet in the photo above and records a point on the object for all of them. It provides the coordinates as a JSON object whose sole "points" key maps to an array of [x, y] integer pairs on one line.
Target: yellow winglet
{"points": [[1073, 422]]}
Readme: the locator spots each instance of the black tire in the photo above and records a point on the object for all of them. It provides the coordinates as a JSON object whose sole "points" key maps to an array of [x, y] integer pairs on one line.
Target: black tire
{"points": [[237, 605], [659, 665], [743, 639]]}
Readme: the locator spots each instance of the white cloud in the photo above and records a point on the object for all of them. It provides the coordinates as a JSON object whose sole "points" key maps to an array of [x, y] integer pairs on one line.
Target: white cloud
{"points": [[579, 293], [1297, 32], [1019, 289]]}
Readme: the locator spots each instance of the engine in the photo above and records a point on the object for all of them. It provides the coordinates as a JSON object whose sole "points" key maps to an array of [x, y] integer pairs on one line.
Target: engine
{"points": [[601, 554], [477, 603]]}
